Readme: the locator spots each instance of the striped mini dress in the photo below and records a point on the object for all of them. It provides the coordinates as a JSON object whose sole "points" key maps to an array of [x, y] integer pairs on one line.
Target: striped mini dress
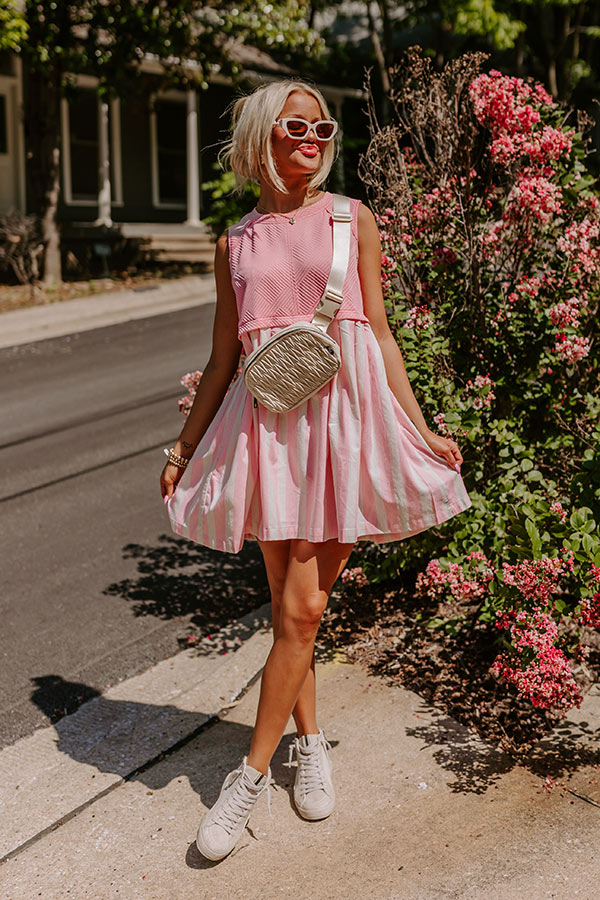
{"points": [[348, 463]]}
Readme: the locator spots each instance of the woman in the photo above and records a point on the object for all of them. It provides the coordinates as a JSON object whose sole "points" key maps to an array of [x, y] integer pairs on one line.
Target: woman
{"points": [[354, 462]]}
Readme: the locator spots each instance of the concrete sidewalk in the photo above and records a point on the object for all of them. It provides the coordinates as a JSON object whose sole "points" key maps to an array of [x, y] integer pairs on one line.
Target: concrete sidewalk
{"points": [[424, 810], [36, 323]]}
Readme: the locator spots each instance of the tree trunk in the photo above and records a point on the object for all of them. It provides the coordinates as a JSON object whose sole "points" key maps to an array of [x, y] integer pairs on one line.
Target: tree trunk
{"points": [[50, 231], [43, 150], [381, 63]]}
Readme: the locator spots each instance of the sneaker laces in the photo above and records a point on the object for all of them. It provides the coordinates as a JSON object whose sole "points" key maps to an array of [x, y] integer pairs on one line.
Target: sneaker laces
{"points": [[239, 803], [309, 764]]}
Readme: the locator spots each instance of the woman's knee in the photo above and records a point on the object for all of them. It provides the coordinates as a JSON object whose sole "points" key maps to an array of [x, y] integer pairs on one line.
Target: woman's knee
{"points": [[301, 615]]}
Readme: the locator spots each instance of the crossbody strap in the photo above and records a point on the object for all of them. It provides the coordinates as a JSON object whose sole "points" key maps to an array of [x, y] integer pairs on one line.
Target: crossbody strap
{"points": [[332, 297]]}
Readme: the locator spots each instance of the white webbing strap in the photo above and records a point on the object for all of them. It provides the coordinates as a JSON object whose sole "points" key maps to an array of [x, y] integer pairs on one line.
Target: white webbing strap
{"points": [[332, 297]]}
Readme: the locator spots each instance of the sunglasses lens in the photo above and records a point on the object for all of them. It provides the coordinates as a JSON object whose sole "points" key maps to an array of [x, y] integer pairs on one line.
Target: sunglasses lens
{"points": [[297, 128], [324, 130]]}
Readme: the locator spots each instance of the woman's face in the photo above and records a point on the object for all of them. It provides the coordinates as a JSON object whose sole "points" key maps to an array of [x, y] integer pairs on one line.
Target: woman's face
{"points": [[302, 156]]}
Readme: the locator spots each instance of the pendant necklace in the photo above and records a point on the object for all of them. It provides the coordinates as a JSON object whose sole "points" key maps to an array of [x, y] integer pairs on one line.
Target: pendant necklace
{"points": [[291, 219]]}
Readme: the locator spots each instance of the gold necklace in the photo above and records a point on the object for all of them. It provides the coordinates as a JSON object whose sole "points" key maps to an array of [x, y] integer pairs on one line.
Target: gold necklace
{"points": [[290, 220]]}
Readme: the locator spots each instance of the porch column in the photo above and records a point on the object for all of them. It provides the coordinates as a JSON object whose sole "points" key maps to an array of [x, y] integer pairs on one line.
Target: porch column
{"points": [[193, 181], [104, 197]]}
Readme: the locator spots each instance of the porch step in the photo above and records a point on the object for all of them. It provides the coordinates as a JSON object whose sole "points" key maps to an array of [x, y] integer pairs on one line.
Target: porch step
{"points": [[165, 247], [185, 256]]}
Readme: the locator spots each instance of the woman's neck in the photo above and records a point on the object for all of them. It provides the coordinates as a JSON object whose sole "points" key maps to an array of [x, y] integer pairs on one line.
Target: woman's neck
{"points": [[274, 201]]}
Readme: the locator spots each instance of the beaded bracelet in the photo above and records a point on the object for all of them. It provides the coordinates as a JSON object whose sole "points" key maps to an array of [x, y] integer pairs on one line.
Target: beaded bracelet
{"points": [[177, 460]]}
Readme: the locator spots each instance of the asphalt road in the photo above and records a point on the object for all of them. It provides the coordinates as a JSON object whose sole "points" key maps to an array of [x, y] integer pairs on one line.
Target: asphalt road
{"points": [[95, 586]]}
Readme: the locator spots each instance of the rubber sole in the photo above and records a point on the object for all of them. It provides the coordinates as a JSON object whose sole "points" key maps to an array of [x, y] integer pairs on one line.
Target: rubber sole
{"points": [[208, 853], [314, 817]]}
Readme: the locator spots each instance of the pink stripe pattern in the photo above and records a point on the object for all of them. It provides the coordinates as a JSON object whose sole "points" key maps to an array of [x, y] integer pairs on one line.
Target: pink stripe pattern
{"points": [[348, 463]]}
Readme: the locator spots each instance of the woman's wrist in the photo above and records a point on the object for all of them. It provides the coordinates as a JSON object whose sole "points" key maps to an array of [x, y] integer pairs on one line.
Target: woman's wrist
{"points": [[421, 427], [184, 447]]}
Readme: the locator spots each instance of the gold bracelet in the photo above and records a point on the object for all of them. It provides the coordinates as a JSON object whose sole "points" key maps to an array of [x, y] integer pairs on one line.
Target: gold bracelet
{"points": [[177, 460]]}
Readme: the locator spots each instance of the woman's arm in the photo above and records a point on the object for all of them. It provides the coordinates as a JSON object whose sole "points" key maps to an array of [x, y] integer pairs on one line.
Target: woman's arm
{"points": [[369, 271], [223, 361]]}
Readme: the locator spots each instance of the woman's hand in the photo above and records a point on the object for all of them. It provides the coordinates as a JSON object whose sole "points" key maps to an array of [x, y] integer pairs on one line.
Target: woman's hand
{"points": [[169, 477], [445, 447]]}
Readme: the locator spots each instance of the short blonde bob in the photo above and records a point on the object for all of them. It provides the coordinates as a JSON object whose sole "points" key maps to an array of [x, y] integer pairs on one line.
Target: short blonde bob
{"points": [[252, 118]]}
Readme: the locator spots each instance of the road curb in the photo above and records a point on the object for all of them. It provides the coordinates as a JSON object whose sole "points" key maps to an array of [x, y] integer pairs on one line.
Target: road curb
{"points": [[50, 776], [38, 323]]}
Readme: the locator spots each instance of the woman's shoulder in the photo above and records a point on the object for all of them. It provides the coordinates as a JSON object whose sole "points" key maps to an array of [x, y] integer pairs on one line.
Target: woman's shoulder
{"points": [[237, 229]]}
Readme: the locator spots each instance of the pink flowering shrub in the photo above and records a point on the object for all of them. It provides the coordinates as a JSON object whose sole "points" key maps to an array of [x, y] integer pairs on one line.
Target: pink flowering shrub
{"points": [[355, 577], [191, 381], [490, 231], [539, 669]]}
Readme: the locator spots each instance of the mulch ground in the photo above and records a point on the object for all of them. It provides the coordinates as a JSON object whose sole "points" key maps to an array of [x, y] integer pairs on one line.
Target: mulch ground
{"points": [[23, 296], [377, 627]]}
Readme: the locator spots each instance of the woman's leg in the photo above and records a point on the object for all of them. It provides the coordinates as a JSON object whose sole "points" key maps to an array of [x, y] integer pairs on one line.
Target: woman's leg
{"points": [[276, 555], [312, 570]]}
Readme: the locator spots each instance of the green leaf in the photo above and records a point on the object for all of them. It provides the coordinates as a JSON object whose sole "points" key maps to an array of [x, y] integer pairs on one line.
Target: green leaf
{"points": [[534, 536], [435, 622]]}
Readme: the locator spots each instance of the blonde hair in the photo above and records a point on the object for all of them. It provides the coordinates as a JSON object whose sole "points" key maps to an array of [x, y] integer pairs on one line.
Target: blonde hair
{"points": [[252, 117]]}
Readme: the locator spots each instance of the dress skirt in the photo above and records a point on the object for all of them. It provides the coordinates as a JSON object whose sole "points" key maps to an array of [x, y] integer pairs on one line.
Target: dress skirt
{"points": [[347, 464]]}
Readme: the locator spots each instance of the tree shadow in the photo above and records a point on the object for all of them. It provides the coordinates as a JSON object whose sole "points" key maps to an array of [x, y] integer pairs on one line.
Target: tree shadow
{"points": [[127, 739], [180, 578], [482, 727], [476, 765]]}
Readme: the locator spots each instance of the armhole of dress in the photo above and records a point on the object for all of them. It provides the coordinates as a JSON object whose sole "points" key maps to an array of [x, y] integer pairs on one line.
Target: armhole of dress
{"points": [[355, 203], [229, 254]]}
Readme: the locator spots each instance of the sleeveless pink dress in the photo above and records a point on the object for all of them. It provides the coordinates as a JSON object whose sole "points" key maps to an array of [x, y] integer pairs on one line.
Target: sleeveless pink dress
{"points": [[348, 463]]}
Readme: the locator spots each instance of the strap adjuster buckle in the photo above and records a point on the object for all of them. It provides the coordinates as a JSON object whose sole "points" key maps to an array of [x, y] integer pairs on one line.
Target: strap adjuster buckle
{"points": [[341, 216], [333, 294]]}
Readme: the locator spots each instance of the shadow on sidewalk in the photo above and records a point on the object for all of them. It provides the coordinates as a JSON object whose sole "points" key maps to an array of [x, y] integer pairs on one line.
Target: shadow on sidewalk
{"points": [[217, 588]]}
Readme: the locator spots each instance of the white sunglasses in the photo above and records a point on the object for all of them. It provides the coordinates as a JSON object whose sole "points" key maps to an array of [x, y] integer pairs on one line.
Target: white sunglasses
{"points": [[295, 128]]}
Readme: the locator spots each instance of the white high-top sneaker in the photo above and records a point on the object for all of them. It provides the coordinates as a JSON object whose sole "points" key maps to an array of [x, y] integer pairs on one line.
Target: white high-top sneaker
{"points": [[314, 795], [223, 824]]}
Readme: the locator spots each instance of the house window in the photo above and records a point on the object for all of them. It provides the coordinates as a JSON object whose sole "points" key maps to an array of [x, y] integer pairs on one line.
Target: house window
{"points": [[80, 140], [83, 145], [170, 151], [3, 125]]}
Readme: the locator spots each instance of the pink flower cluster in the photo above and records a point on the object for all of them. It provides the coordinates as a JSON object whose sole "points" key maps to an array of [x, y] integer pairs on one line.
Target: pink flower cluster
{"points": [[419, 317], [527, 287], [509, 107], [355, 577], [580, 241], [549, 144], [506, 104], [440, 421], [557, 508], [590, 611], [589, 607], [435, 204], [539, 669], [566, 313], [464, 581], [582, 245], [191, 382], [571, 349], [538, 579], [535, 196], [478, 401]]}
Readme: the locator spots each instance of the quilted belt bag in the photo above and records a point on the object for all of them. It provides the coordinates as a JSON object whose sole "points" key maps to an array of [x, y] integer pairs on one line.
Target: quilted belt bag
{"points": [[298, 360]]}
